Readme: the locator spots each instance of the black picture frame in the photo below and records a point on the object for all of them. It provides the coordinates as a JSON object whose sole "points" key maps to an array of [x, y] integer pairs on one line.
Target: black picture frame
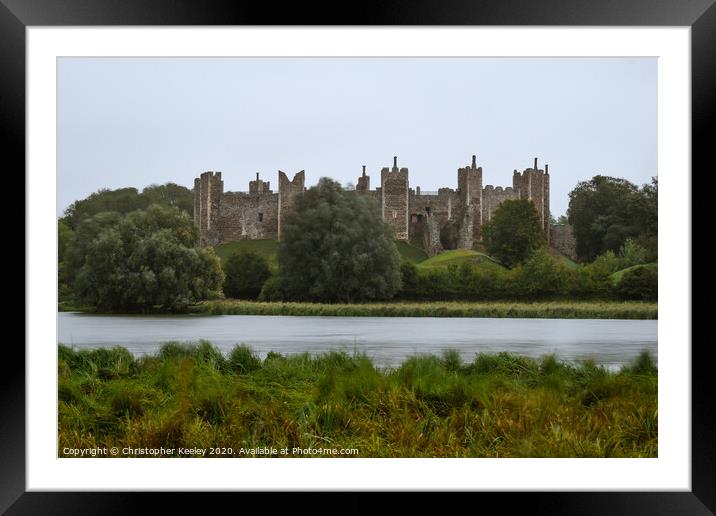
{"points": [[700, 15]]}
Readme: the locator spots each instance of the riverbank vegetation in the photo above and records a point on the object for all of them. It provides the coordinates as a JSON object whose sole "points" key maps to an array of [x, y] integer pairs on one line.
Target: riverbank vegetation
{"points": [[493, 406], [543, 310], [125, 251]]}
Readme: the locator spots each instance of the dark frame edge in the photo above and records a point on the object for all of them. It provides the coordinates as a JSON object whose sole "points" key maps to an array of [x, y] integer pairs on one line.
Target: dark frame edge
{"points": [[12, 132], [703, 114], [702, 498]]}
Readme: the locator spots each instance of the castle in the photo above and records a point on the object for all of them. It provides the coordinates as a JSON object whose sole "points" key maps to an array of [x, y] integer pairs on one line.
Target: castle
{"points": [[435, 221]]}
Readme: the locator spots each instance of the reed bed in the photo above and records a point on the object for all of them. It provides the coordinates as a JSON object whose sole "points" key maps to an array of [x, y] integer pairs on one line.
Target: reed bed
{"points": [[192, 395]]}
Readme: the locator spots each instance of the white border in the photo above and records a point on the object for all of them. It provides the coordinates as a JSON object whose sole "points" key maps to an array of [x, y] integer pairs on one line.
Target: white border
{"points": [[672, 468]]}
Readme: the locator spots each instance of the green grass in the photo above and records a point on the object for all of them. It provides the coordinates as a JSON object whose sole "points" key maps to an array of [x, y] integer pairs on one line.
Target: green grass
{"points": [[617, 276], [266, 248], [459, 257], [410, 252], [545, 310], [431, 406]]}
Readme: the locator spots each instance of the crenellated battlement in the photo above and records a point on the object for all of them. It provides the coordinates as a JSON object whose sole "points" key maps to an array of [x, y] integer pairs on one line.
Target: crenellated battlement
{"points": [[444, 219]]}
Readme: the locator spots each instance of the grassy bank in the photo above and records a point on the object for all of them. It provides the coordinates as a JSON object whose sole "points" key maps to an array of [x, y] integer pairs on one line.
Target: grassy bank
{"points": [[545, 310], [496, 406]]}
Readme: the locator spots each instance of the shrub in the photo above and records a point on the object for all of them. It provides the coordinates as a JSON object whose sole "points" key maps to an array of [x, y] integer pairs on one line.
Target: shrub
{"points": [[593, 279], [631, 253], [271, 290], [542, 276], [640, 283], [409, 279], [246, 272]]}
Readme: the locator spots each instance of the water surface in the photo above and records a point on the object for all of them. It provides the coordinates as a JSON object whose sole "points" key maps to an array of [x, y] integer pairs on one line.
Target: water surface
{"points": [[387, 340]]}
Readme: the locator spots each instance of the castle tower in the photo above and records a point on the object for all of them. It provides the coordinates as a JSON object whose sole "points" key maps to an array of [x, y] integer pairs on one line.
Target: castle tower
{"points": [[288, 191], [394, 198], [469, 183], [363, 182], [533, 184], [208, 189], [259, 186]]}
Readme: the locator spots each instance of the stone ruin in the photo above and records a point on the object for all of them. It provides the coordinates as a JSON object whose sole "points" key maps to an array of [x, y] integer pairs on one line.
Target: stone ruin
{"points": [[435, 221]]}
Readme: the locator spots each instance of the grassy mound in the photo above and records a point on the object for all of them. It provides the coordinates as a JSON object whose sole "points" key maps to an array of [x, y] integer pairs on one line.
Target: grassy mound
{"points": [[266, 248], [459, 257], [617, 276], [410, 252]]}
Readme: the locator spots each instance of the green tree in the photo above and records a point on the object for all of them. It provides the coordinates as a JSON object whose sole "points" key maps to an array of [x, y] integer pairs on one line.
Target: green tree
{"points": [[170, 194], [143, 260], [640, 283], [336, 247], [605, 211], [125, 200], [246, 272], [121, 200], [514, 232], [542, 276], [64, 237]]}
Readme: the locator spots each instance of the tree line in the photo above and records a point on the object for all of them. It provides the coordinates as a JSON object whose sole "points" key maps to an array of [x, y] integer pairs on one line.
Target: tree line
{"points": [[125, 250]]}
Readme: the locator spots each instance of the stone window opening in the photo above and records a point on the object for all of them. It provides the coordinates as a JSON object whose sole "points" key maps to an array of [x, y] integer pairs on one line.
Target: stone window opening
{"points": [[261, 217], [395, 214], [427, 210]]}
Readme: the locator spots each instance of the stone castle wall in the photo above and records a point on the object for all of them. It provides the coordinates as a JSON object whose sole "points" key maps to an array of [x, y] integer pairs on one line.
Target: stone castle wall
{"points": [[435, 221], [494, 196], [248, 216], [562, 239]]}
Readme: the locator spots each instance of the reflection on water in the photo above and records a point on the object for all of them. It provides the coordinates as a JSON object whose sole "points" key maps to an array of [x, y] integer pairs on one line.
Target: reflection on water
{"points": [[387, 340]]}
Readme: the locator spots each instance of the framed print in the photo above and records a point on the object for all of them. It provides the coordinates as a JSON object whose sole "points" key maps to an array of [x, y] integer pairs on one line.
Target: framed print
{"points": [[413, 250]]}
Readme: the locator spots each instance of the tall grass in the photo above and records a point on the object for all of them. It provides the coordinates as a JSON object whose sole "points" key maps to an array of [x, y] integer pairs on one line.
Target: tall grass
{"points": [[546, 310], [497, 405]]}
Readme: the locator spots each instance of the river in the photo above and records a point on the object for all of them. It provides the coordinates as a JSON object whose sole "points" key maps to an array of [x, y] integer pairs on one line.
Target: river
{"points": [[387, 340]]}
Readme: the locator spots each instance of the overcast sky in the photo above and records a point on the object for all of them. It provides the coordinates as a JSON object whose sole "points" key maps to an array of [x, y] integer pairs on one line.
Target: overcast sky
{"points": [[137, 121]]}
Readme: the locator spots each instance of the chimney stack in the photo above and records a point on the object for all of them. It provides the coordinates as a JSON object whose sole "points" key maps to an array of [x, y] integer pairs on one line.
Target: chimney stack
{"points": [[535, 164], [474, 161], [363, 170], [395, 161]]}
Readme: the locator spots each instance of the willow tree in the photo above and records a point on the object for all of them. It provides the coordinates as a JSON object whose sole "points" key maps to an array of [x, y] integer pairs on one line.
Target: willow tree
{"points": [[335, 246], [145, 260]]}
